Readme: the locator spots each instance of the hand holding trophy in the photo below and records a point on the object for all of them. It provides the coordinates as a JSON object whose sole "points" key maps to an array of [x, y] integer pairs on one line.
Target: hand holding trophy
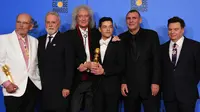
{"points": [[11, 88], [96, 68], [96, 55], [6, 70], [90, 65]]}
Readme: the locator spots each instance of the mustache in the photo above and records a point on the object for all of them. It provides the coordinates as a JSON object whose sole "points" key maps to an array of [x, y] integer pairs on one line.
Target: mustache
{"points": [[50, 28]]}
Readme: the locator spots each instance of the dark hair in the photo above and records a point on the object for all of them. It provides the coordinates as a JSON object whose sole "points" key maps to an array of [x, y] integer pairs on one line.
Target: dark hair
{"points": [[176, 19], [105, 19], [133, 10]]}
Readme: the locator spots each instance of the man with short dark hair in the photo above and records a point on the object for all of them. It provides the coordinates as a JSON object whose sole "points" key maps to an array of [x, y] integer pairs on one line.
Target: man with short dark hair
{"points": [[180, 69], [108, 70], [141, 82]]}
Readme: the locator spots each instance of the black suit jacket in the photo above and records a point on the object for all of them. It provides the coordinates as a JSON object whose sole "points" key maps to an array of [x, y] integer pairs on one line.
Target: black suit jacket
{"points": [[181, 82], [143, 69], [113, 65], [80, 55], [56, 65]]}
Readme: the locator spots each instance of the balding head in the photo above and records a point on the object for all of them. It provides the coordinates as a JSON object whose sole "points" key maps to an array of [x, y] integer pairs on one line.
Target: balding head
{"points": [[23, 24]]}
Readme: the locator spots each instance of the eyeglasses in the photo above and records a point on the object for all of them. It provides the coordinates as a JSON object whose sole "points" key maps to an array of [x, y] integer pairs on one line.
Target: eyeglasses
{"points": [[23, 23]]}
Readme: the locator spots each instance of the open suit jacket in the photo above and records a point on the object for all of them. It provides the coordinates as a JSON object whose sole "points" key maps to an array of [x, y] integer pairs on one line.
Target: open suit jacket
{"points": [[11, 55], [113, 65], [80, 55], [181, 81], [143, 69], [56, 68], [108, 84]]}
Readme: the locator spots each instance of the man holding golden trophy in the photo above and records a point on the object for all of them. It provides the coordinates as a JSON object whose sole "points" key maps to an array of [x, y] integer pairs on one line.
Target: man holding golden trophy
{"points": [[19, 74], [108, 66]]}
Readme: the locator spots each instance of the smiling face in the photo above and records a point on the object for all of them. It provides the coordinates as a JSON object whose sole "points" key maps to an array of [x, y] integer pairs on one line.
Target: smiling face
{"points": [[175, 31]]}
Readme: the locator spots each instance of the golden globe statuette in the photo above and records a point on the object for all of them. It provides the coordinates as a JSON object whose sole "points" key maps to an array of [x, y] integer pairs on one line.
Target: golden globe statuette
{"points": [[5, 69], [96, 55]]}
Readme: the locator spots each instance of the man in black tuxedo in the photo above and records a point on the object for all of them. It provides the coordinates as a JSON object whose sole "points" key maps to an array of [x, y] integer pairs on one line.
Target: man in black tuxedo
{"points": [[56, 62], [85, 39], [142, 78], [108, 70], [180, 69]]}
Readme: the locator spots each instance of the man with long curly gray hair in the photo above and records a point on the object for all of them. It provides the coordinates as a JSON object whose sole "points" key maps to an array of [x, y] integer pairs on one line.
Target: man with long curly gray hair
{"points": [[85, 39], [91, 21]]}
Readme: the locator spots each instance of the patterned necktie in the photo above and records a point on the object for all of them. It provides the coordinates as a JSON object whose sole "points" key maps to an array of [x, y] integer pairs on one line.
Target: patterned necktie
{"points": [[174, 54]]}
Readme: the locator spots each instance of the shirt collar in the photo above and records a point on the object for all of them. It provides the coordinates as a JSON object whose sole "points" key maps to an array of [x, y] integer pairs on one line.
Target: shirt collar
{"points": [[136, 33], [179, 43], [83, 31], [105, 42], [52, 35], [19, 36]]}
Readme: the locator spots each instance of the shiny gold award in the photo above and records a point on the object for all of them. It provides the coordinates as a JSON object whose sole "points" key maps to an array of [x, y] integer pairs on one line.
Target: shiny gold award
{"points": [[96, 55], [5, 69]]}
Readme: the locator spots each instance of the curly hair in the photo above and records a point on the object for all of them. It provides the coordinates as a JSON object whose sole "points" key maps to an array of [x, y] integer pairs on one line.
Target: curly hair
{"points": [[75, 13]]}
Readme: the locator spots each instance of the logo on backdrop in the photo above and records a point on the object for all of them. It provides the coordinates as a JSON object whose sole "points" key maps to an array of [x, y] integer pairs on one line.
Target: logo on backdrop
{"points": [[60, 6], [140, 5]]}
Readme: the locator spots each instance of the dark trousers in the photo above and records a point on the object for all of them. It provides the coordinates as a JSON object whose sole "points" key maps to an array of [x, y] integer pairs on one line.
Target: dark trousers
{"points": [[104, 101], [57, 110], [180, 106], [25, 103], [82, 95], [133, 104], [64, 108]]}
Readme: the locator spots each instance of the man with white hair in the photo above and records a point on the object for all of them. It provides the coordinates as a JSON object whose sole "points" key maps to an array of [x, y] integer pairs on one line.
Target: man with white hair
{"points": [[55, 65], [19, 74]]}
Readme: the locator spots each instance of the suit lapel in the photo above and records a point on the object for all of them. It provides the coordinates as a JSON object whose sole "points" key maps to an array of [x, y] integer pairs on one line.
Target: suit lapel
{"points": [[30, 45], [183, 51], [167, 55], [43, 43], [16, 46], [108, 51], [54, 41], [140, 43], [80, 43]]}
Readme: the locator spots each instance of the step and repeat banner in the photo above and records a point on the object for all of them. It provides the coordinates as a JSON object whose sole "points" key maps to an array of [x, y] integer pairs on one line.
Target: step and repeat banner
{"points": [[155, 14]]}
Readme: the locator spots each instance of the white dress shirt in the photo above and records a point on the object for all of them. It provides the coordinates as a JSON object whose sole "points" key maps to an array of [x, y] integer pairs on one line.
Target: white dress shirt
{"points": [[47, 39], [179, 44], [103, 47], [84, 34]]}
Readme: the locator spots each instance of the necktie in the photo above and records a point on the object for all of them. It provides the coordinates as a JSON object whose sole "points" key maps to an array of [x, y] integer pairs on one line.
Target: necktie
{"points": [[134, 48], [85, 37], [49, 42], [85, 75], [174, 54]]}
